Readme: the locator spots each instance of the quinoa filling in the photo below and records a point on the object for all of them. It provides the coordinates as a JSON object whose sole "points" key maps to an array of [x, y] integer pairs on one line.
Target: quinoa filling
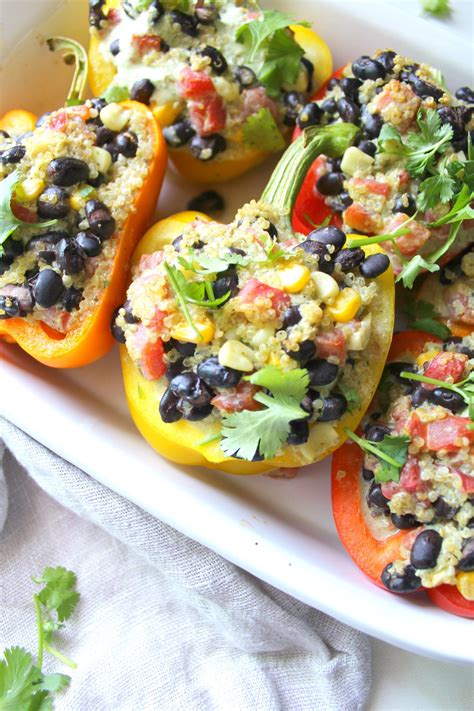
{"points": [[219, 94], [432, 497], [70, 184]]}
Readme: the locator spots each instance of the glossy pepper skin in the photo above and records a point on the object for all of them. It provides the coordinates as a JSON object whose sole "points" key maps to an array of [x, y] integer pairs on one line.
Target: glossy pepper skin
{"points": [[370, 554], [181, 441], [16, 122], [101, 73]]}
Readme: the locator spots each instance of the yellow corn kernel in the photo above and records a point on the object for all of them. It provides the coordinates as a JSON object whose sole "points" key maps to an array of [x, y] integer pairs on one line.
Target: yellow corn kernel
{"points": [[29, 189], [47, 142], [273, 359], [165, 114], [327, 288], [102, 158], [80, 196], [186, 333], [294, 277], [345, 306], [234, 354], [426, 356], [114, 116], [465, 584]]}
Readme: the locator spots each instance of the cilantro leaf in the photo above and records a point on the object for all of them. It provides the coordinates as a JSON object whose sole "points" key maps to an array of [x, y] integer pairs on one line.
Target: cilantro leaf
{"points": [[54, 683], [261, 132], [464, 388], [392, 453], [116, 94], [256, 32], [439, 8], [413, 268], [352, 396], [422, 317], [18, 677], [460, 211], [282, 62], [264, 431], [59, 594], [293, 383], [438, 188]]}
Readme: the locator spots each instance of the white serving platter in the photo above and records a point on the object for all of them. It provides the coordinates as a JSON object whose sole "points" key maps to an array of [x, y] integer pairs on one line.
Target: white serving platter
{"points": [[280, 530]]}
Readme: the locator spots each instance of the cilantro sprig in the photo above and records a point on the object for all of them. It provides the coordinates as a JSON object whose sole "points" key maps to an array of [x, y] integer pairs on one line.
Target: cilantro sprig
{"points": [[23, 685], [263, 431], [465, 388], [422, 317], [438, 8], [392, 453]]}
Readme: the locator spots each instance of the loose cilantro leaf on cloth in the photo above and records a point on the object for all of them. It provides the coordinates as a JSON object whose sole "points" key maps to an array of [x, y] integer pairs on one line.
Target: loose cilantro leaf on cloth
{"points": [[465, 388], [421, 316], [262, 133], [18, 679], [392, 453], [8, 222], [439, 8], [293, 383]]}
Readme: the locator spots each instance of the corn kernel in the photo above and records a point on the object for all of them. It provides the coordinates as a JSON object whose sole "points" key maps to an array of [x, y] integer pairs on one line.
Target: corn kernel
{"points": [[465, 584], [426, 356], [359, 339], [102, 158], [273, 359], [29, 189], [47, 142], [327, 288], [114, 117], [262, 335], [234, 354], [294, 277], [80, 196], [354, 159], [345, 306], [185, 333]]}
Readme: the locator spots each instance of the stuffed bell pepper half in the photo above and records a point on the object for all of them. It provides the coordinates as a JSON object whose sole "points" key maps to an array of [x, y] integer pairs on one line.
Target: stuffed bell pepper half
{"points": [[247, 346], [77, 192], [225, 79], [403, 489], [408, 182]]}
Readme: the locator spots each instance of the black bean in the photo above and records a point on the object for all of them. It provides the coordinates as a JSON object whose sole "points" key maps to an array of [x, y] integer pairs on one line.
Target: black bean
{"points": [[367, 147], [304, 353], [116, 330], [99, 218], [195, 413], [4, 266], [371, 124], [349, 259], [185, 349], [470, 523], [112, 149], [406, 582], [47, 238], [192, 389], [178, 134], [334, 406], [206, 13], [9, 307], [69, 257], [142, 90], [374, 265], [309, 66], [397, 367], [350, 87], [272, 230], [96, 15], [310, 115], [67, 171], [328, 235], [127, 143], [376, 432], [405, 521], [321, 372], [405, 203], [425, 549], [423, 89], [12, 248], [341, 203], [4, 134], [187, 23], [88, 243], [376, 498], [348, 110], [294, 101], [329, 106], [466, 564], [47, 255], [53, 202], [12, 155], [334, 164], [464, 93], [443, 510], [419, 395], [332, 83], [367, 474], [48, 288], [72, 297], [306, 404], [245, 76], [291, 317], [330, 183], [114, 47], [299, 432], [386, 59], [168, 407], [174, 368], [104, 135], [208, 201], [365, 67], [159, 11], [207, 147], [218, 62], [457, 117], [447, 398], [217, 375], [312, 246]]}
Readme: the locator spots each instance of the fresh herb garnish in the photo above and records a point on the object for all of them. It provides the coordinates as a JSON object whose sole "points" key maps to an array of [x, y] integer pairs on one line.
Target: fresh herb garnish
{"points": [[465, 388], [392, 453], [388, 237], [436, 189], [261, 132], [204, 264], [116, 94], [8, 222], [439, 8], [352, 396], [422, 317], [418, 263], [264, 431], [22, 683]]}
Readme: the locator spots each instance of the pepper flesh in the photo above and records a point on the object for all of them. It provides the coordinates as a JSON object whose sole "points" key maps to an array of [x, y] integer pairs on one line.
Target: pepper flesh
{"points": [[181, 441], [17, 122], [102, 72], [91, 339]]}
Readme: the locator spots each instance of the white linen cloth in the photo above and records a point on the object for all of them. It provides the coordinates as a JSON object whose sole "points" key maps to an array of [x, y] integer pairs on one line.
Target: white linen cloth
{"points": [[163, 622]]}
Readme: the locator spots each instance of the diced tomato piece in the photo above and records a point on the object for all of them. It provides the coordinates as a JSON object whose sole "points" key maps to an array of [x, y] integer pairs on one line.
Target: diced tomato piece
{"points": [[157, 321], [413, 241], [403, 178], [448, 433], [415, 427], [255, 289], [208, 115], [467, 483], [23, 213], [59, 121], [447, 365], [371, 186], [82, 111], [146, 43], [150, 261], [152, 363], [195, 85], [113, 16], [256, 99], [359, 218], [237, 399], [410, 480], [332, 343]]}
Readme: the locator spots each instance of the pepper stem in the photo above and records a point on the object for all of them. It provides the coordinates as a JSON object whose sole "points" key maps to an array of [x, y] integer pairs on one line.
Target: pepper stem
{"points": [[74, 53], [285, 183]]}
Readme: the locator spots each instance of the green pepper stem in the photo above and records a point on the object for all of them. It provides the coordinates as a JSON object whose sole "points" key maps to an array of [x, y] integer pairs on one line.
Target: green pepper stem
{"points": [[74, 53], [287, 178]]}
